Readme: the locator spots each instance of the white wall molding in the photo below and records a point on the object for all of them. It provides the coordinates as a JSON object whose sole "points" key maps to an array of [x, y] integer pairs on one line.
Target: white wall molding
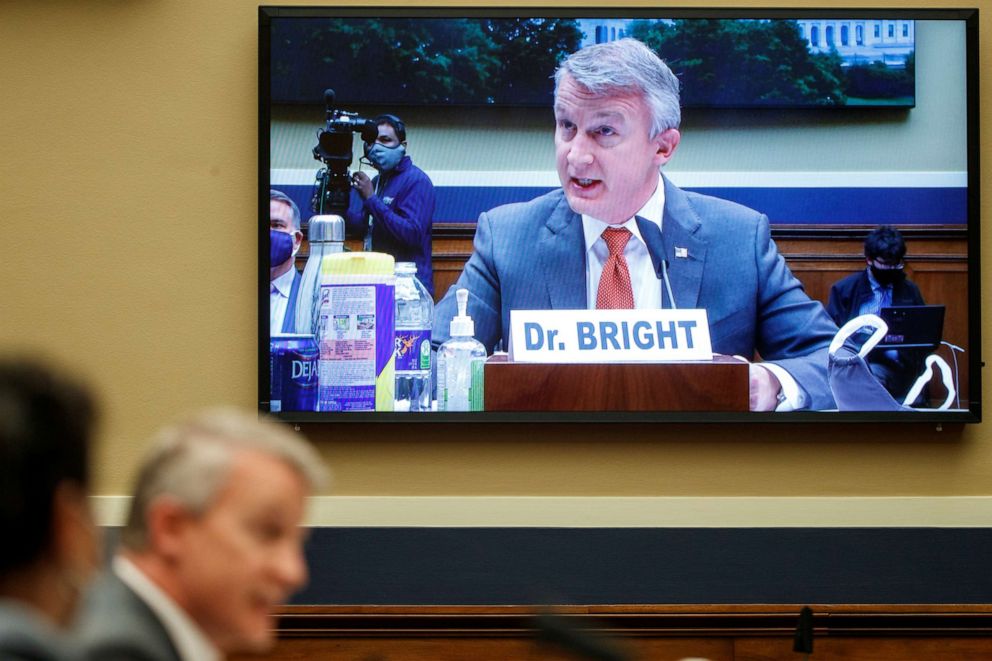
{"points": [[627, 512]]}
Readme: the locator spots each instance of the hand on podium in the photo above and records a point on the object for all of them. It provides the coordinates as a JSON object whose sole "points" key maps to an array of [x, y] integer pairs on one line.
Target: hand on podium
{"points": [[764, 388]]}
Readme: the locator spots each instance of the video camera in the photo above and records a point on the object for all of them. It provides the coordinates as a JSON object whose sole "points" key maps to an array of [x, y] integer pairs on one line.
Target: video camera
{"points": [[332, 188]]}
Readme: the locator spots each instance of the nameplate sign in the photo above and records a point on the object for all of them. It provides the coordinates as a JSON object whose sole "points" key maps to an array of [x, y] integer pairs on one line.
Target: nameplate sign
{"points": [[598, 336]]}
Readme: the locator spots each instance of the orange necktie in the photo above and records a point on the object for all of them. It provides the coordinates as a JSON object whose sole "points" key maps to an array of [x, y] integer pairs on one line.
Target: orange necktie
{"points": [[615, 292]]}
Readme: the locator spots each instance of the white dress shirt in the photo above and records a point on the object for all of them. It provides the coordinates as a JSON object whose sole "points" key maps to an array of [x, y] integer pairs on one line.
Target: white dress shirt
{"points": [[190, 641], [645, 282], [881, 296], [279, 290], [643, 279]]}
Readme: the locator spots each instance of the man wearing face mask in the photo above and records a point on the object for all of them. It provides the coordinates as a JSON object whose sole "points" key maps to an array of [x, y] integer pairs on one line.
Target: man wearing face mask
{"points": [[285, 238], [882, 283], [393, 212]]}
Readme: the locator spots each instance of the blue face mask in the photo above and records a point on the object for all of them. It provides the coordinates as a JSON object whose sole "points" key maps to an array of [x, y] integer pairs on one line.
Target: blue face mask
{"points": [[385, 158], [280, 247]]}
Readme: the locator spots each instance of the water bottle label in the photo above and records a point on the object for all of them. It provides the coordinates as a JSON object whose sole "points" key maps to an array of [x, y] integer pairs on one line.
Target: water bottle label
{"points": [[413, 350]]}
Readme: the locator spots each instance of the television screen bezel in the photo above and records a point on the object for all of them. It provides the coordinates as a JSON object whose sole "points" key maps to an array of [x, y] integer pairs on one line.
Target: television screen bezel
{"points": [[970, 414]]}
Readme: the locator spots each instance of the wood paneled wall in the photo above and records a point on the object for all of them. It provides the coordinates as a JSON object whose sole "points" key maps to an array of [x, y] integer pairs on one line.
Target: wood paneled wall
{"points": [[937, 261], [639, 632]]}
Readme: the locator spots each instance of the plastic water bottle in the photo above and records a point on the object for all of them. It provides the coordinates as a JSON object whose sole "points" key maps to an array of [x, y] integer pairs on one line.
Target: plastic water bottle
{"points": [[326, 237], [414, 320], [460, 364]]}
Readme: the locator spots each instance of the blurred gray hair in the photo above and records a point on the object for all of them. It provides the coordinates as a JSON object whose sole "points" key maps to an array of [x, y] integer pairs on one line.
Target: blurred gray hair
{"points": [[190, 462], [627, 66], [279, 196]]}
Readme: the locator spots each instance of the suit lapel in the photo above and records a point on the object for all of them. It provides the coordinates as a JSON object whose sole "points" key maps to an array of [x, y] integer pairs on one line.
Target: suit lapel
{"points": [[562, 248], [684, 251], [289, 321]]}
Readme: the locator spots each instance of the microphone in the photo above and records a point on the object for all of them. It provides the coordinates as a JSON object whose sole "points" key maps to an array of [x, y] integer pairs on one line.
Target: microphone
{"points": [[574, 638], [803, 639], [651, 235], [663, 274], [329, 110]]}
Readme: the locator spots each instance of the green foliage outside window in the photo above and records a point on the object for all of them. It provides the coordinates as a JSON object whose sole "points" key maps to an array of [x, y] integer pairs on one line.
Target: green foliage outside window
{"points": [[744, 62]]}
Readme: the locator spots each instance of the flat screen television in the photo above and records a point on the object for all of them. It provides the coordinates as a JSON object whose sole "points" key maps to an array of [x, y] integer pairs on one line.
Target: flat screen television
{"points": [[823, 124]]}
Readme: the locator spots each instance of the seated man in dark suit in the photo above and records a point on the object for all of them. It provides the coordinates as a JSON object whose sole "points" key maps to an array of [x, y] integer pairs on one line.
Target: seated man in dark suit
{"points": [[50, 544], [211, 545], [882, 283], [285, 239]]}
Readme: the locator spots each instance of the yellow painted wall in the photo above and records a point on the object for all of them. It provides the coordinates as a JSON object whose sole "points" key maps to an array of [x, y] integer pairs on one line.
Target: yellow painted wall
{"points": [[128, 171]]}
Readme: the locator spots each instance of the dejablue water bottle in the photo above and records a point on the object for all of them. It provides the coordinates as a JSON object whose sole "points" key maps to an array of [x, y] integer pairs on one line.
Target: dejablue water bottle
{"points": [[414, 321], [460, 364]]}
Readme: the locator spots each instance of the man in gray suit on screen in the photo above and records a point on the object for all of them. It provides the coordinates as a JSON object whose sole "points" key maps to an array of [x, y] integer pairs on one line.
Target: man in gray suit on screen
{"points": [[212, 544], [618, 234]]}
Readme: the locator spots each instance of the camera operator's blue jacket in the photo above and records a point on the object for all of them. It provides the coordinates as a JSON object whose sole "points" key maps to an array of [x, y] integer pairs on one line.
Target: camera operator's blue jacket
{"points": [[402, 211]]}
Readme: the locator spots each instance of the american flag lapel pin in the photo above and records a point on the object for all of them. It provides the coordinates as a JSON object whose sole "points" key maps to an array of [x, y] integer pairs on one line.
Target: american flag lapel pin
{"points": [[681, 253]]}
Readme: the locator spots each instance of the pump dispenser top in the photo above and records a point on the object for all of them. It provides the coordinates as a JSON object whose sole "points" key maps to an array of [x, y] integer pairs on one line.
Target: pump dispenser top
{"points": [[462, 325]]}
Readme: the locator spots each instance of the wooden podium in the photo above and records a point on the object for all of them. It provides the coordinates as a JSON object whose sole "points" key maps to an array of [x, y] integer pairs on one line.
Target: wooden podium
{"points": [[720, 384]]}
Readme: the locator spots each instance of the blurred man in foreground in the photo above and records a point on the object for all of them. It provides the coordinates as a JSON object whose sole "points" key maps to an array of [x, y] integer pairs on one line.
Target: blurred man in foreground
{"points": [[49, 547], [212, 543]]}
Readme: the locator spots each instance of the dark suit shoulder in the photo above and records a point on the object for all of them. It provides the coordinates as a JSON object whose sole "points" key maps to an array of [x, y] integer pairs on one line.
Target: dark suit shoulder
{"points": [[849, 282], [122, 650], [909, 292], [26, 636], [718, 217], [116, 624], [713, 219]]}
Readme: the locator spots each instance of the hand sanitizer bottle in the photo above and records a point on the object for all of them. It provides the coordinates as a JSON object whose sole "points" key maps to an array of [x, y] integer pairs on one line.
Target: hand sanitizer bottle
{"points": [[460, 364]]}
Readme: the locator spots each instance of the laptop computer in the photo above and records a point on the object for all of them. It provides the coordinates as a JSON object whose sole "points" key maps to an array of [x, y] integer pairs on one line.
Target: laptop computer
{"points": [[912, 326]]}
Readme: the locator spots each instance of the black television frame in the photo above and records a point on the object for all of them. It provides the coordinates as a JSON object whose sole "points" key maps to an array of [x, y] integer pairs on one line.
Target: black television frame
{"points": [[972, 409]]}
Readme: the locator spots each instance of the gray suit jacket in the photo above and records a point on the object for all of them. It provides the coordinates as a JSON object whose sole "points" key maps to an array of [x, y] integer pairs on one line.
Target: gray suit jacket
{"points": [[531, 256], [116, 625], [25, 636]]}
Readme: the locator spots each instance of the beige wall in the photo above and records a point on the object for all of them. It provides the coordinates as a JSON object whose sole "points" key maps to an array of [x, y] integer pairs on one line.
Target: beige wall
{"points": [[128, 166]]}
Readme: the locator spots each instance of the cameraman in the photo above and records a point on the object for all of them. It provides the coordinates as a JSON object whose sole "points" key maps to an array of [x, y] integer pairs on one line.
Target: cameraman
{"points": [[394, 211]]}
